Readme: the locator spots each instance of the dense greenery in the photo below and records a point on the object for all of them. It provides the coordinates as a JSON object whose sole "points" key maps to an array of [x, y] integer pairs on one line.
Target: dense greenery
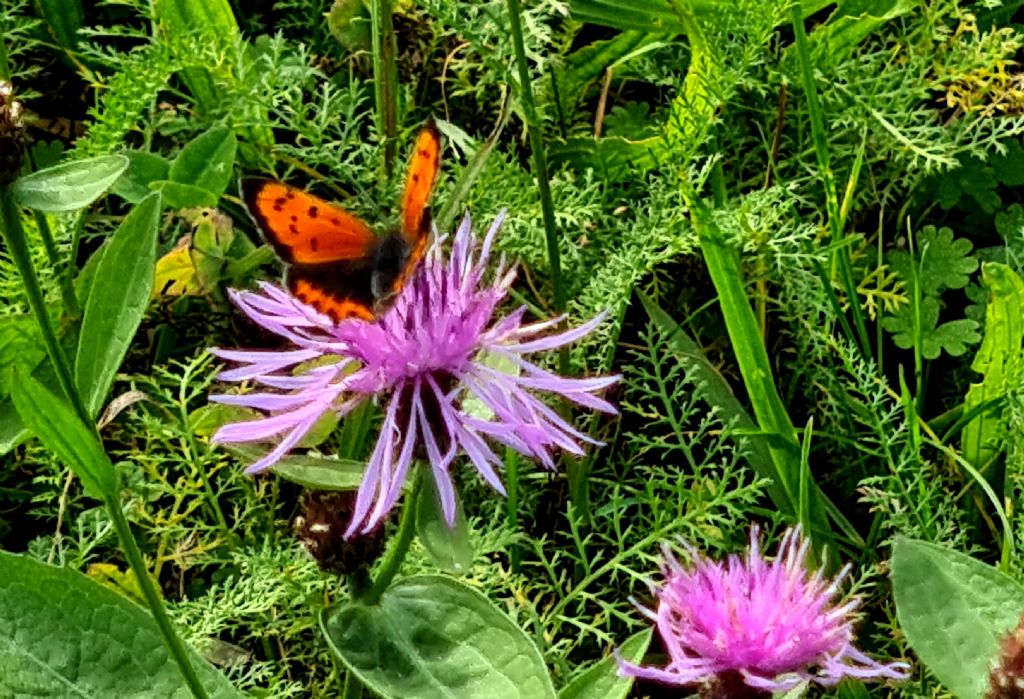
{"points": [[804, 222]]}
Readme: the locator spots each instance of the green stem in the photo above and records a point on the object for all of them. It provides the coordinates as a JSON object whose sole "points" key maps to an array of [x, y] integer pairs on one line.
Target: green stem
{"points": [[138, 566], [385, 78], [67, 286], [14, 236], [828, 180], [540, 166], [399, 545], [353, 687], [512, 502]]}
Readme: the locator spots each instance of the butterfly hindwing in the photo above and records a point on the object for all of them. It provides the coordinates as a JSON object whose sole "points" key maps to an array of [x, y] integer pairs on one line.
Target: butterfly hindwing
{"points": [[303, 228], [340, 290]]}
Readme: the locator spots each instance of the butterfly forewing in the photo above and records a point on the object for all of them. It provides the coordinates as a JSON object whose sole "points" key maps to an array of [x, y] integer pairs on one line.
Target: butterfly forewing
{"points": [[305, 229], [419, 183]]}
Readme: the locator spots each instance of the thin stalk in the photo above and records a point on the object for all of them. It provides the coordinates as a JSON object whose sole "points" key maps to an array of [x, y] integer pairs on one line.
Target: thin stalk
{"points": [[67, 286], [512, 502], [353, 687], [385, 78], [14, 237], [138, 566], [828, 180], [399, 545], [540, 166]]}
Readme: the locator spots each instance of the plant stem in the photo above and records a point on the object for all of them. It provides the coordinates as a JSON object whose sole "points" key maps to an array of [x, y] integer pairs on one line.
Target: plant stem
{"points": [[156, 606], [353, 687], [828, 181], [512, 502], [14, 237], [385, 78], [399, 545], [540, 167]]}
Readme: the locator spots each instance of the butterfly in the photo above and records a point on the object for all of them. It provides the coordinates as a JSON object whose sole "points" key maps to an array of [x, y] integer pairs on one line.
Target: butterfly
{"points": [[335, 262]]}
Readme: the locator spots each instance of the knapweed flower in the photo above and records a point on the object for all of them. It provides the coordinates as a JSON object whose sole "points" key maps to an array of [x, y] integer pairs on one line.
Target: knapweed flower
{"points": [[772, 624], [432, 358]]}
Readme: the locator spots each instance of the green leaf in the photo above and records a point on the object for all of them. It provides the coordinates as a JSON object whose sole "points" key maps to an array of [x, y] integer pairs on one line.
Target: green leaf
{"points": [[349, 23], [755, 366], [55, 423], [998, 360], [64, 635], [21, 347], [177, 195], [953, 337], [313, 472], [432, 637], [953, 610], [12, 428], [602, 681], [585, 66], [143, 168], [943, 263], [63, 18], [450, 548], [70, 186], [207, 161], [117, 301], [851, 23]]}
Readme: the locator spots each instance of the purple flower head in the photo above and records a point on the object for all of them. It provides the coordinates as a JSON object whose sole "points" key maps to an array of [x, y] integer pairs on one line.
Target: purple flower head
{"points": [[431, 359], [772, 624]]}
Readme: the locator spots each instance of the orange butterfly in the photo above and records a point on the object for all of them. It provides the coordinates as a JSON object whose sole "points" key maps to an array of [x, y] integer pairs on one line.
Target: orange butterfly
{"points": [[336, 263]]}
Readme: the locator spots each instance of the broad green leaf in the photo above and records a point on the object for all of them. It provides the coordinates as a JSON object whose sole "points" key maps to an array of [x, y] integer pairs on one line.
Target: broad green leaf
{"points": [[602, 681], [143, 168], [450, 548], [178, 195], [433, 637], [63, 20], [207, 161], [70, 186], [313, 472], [953, 609], [207, 419], [12, 428], [55, 423], [64, 635], [21, 347], [998, 360], [117, 301], [349, 23]]}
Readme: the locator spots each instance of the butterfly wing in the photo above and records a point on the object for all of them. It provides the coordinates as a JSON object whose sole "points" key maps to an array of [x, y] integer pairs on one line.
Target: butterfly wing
{"points": [[330, 252], [304, 229], [419, 183]]}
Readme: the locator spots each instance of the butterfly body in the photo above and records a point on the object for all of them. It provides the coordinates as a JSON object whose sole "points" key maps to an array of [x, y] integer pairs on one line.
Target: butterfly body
{"points": [[335, 262]]}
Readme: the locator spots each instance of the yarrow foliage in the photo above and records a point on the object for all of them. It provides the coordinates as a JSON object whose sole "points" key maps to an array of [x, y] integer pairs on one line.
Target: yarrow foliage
{"points": [[423, 357], [771, 623]]}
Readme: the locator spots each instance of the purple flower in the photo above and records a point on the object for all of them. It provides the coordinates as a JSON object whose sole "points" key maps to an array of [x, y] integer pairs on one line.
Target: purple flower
{"points": [[432, 359], [772, 624]]}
